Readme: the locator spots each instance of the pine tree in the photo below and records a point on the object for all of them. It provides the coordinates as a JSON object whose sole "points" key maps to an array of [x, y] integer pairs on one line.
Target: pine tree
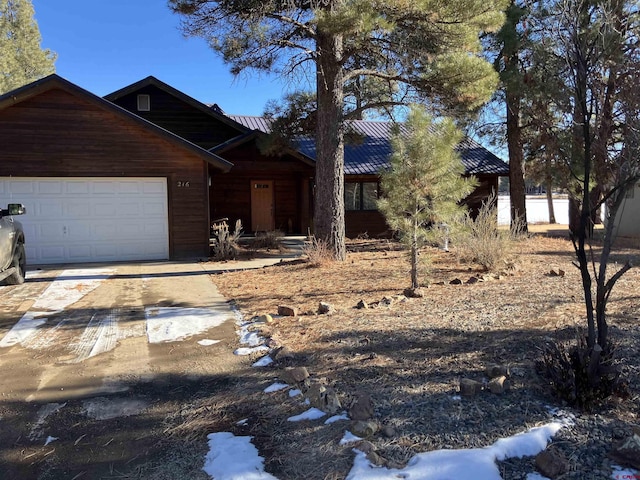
{"points": [[22, 60], [364, 55], [425, 182]]}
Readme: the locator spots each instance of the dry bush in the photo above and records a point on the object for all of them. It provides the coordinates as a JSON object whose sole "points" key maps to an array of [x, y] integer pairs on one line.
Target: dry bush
{"points": [[318, 253], [267, 240], [225, 243], [581, 376], [480, 240]]}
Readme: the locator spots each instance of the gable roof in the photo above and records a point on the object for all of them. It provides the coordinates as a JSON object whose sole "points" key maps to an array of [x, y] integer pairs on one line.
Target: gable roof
{"points": [[371, 155], [212, 110], [56, 82]]}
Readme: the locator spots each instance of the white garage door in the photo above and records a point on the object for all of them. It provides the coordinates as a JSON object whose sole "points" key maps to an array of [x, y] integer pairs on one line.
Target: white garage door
{"points": [[74, 220]]}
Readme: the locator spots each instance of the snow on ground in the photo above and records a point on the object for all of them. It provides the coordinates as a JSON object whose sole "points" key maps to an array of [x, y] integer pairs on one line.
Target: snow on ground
{"points": [[69, 287], [170, 324], [275, 387], [349, 438], [474, 463], [24, 329], [311, 414], [205, 342], [234, 458], [336, 418], [263, 362]]}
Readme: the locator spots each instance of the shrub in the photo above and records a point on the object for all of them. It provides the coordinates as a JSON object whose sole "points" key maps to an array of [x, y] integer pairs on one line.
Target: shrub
{"points": [[318, 253], [480, 240], [268, 240], [225, 243], [581, 376]]}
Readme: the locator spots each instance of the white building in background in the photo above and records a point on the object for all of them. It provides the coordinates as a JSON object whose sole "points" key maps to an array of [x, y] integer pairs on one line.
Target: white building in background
{"points": [[628, 219]]}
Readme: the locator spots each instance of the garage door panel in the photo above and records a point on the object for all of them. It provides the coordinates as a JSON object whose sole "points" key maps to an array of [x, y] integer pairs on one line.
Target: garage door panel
{"points": [[77, 209], [89, 219]]}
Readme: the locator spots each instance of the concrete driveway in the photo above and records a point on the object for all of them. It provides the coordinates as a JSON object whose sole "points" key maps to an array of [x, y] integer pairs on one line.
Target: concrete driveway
{"points": [[88, 351]]}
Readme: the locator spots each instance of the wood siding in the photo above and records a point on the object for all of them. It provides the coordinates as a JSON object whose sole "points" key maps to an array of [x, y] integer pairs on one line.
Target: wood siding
{"points": [[56, 134], [373, 224], [230, 193], [179, 117]]}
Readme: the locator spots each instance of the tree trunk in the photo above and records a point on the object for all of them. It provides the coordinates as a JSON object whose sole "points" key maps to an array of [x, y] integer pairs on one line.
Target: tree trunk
{"points": [[329, 208], [552, 213], [517, 190], [414, 256]]}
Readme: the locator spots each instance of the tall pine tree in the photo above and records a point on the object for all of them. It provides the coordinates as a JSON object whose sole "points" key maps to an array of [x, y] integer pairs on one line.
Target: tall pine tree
{"points": [[22, 60], [364, 55]]}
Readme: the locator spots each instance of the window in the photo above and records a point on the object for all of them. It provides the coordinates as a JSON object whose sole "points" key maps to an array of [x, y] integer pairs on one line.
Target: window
{"points": [[144, 103], [360, 195]]}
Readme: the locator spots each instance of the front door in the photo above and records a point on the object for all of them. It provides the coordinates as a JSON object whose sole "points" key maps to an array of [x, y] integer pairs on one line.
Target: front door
{"points": [[262, 206]]}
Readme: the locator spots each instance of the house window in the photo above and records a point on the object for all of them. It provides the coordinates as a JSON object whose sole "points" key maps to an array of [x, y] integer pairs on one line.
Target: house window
{"points": [[360, 195], [144, 103]]}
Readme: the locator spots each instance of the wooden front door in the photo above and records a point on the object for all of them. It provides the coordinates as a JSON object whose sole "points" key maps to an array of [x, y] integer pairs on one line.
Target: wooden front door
{"points": [[262, 206]]}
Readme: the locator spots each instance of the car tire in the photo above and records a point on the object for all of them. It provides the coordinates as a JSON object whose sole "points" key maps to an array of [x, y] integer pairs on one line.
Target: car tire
{"points": [[20, 263]]}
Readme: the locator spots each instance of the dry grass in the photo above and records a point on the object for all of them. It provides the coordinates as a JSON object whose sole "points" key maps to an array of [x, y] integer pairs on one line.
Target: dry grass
{"points": [[410, 354]]}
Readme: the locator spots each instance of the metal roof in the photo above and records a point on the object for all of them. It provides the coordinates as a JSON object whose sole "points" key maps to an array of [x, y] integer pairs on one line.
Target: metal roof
{"points": [[369, 154]]}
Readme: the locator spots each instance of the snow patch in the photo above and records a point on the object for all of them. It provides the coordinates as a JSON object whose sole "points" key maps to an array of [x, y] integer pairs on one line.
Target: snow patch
{"points": [[275, 387], [49, 440], [263, 362], [311, 414], [171, 324], [349, 438], [449, 464], [242, 351], [26, 328], [234, 458], [206, 342], [336, 418], [69, 287]]}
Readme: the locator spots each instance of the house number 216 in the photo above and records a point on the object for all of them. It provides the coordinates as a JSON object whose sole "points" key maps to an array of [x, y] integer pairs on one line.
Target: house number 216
{"points": [[183, 184]]}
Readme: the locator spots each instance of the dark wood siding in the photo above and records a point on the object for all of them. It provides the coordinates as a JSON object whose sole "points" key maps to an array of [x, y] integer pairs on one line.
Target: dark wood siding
{"points": [[373, 223], [179, 117], [230, 193], [56, 134], [488, 185]]}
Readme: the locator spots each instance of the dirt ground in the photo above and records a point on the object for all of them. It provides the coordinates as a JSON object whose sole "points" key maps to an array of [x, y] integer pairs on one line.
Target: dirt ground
{"points": [[410, 354]]}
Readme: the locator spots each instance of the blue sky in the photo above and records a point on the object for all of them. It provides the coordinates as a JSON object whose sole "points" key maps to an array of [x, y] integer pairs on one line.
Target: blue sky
{"points": [[103, 46]]}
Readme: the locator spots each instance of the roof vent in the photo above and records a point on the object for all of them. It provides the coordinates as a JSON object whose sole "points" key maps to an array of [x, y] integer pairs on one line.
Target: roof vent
{"points": [[144, 103]]}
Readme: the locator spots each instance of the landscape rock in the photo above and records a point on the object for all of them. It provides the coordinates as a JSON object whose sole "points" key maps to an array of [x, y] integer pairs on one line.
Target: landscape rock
{"points": [[293, 375], [364, 428], [455, 281], [365, 446], [627, 452], [472, 280], [362, 304], [556, 272], [332, 403], [325, 308], [266, 318], [287, 311], [414, 292], [388, 301], [316, 395], [499, 385], [376, 459], [361, 408], [282, 353], [388, 431], [493, 370], [551, 463], [469, 387]]}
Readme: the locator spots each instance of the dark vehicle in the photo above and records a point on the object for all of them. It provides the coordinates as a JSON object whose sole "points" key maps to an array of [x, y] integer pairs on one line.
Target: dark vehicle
{"points": [[12, 257]]}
